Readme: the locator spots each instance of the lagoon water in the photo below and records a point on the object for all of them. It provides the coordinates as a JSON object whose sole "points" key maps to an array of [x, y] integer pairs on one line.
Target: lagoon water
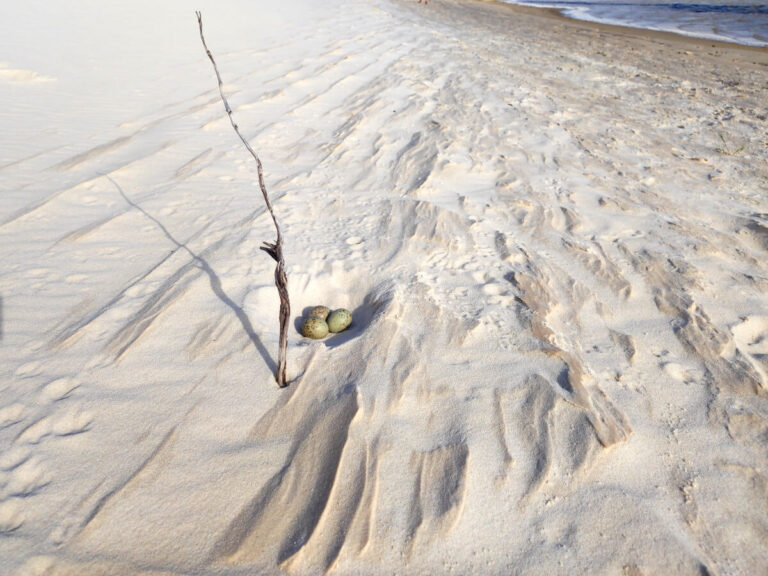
{"points": [[741, 23]]}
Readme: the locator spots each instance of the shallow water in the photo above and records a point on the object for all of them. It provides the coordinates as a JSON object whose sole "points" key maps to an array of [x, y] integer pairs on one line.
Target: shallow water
{"points": [[740, 23]]}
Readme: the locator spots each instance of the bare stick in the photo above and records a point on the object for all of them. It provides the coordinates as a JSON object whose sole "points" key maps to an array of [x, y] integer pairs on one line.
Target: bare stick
{"points": [[273, 249]]}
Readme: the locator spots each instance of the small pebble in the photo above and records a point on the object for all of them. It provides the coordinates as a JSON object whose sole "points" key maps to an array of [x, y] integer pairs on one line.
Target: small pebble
{"points": [[339, 320]]}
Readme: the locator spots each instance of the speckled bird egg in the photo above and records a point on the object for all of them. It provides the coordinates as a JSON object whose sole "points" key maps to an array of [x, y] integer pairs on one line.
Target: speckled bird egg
{"points": [[339, 320], [320, 312], [314, 328]]}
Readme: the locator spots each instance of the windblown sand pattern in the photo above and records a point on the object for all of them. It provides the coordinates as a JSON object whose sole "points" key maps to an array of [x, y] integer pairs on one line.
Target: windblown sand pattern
{"points": [[559, 280]]}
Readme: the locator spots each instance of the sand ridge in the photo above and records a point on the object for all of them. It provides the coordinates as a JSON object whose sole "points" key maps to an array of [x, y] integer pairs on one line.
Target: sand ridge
{"points": [[552, 237]]}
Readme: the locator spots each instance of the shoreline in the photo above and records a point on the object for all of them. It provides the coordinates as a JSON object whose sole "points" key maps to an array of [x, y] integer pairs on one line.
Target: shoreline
{"points": [[758, 54], [560, 12]]}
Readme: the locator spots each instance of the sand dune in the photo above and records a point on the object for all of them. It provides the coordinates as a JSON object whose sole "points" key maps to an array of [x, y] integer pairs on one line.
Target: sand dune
{"points": [[552, 236]]}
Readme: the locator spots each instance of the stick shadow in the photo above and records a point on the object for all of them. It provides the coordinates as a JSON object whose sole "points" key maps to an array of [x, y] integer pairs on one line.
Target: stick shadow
{"points": [[213, 279]]}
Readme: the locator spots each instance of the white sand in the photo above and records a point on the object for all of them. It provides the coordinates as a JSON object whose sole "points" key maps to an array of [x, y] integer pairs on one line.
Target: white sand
{"points": [[558, 270]]}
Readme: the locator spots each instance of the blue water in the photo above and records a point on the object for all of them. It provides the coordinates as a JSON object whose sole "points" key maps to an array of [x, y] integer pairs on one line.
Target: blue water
{"points": [[729, 22]]}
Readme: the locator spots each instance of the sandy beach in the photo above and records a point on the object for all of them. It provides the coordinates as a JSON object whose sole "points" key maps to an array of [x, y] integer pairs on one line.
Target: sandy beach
{"points": [[552, 235]]}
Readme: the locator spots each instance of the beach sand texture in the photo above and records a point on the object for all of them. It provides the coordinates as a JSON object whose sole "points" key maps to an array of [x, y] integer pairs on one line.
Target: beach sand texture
{"points": [[554, 239]]}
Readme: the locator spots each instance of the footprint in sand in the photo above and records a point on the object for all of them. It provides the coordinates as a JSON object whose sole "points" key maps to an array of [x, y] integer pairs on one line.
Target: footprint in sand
{"points": [[752, 334], [21, 76], [493, 289], [34, 433], [29, 369], [75, 278], [25, 480], [751, 337], [37, 566], [11, 516], [59, 389], [12, 414], [13, 458], [90, 200], [138, 291], [678, 372], [37, 273], [73, 422]]}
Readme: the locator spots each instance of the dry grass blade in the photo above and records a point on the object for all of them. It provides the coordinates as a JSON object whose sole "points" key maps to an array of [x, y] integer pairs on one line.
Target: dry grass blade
{"points": [[275, 250]]}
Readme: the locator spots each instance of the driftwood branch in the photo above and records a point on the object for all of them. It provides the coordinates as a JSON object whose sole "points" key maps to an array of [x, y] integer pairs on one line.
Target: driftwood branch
{"points": [[275, 250]]}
